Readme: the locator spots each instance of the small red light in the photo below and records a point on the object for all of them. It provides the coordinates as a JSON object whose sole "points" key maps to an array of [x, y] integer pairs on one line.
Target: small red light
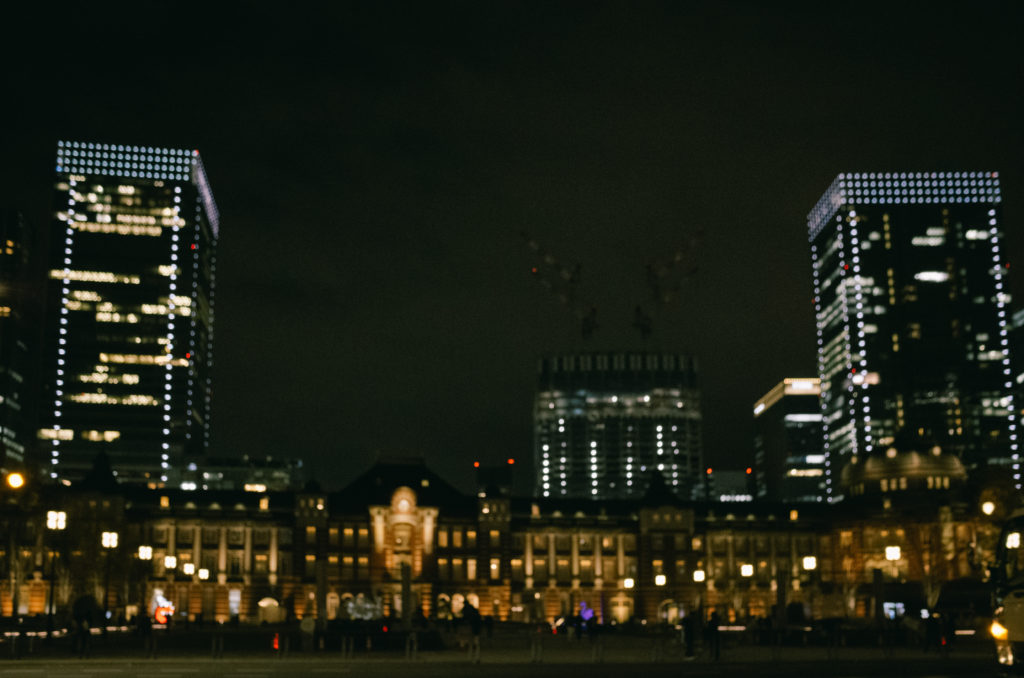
{"points": [[193, 245], [188, 354], [385, 629], [853, 370], [476, 464], [1007, 264], [277, 645], [708, 470], [749, 470], [846, 267], [533, 270], [511, 461]]}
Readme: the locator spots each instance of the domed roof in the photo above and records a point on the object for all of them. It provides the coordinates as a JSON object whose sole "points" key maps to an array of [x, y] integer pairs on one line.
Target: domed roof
{"points": [[891, 463]]}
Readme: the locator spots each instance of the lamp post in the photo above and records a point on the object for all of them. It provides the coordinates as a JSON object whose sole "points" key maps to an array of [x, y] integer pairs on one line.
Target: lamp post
{"points": [[892, 554], [698, 578], [55, 521], [109, 542], [145, 556], [15, 483]]}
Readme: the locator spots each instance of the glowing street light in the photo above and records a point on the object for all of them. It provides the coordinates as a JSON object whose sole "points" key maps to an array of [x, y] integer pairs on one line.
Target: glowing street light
{"points": [[15, 480], [698, 576], [746, 570], [659, 580], [988, 508], [810, 563], [56, 521], [109, 542]]}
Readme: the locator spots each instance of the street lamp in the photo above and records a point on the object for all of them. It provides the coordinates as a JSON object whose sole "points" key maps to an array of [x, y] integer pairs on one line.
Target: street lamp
{"points": [[145, 556], [15, 480], [892, 554], [55, 521], [109, 541], [988, 508]]}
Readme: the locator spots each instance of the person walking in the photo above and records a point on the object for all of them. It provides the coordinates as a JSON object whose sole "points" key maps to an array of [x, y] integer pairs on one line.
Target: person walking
{"points": [[714, 640], [472, 617]]}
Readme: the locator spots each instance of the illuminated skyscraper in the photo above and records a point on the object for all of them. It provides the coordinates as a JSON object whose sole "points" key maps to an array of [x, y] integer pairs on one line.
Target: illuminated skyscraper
{"points": [[911, 299], [14, 340], [604, 422], [130, 312], [788, 461]]}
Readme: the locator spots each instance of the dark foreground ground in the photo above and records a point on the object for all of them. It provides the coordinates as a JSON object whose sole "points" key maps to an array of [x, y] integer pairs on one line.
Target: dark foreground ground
{"points": [[196, 653]]}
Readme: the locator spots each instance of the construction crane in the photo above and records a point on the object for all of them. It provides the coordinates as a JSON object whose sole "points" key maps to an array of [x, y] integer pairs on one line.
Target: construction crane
{"points": [[664, 280]]}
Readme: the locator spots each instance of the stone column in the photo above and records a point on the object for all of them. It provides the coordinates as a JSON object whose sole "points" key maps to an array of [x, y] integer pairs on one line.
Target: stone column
{"points": [[272, 564]]}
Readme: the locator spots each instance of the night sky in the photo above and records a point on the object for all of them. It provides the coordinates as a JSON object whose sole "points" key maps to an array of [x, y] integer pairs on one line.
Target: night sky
{"points": [[376, 164]]}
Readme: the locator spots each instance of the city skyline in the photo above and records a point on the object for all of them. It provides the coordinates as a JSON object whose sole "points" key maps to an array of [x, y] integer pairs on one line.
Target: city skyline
{"points": [[378, 295]]}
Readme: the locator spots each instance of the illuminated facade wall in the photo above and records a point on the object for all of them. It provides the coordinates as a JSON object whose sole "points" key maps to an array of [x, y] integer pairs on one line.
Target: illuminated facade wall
{"points": [[911, 300], [522, 560], [14, 350], [604, 421], [130, 311], [789, 461]]}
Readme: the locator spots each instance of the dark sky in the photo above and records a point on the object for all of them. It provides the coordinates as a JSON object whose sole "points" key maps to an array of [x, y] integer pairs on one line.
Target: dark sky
{"points": [[375, 164]]}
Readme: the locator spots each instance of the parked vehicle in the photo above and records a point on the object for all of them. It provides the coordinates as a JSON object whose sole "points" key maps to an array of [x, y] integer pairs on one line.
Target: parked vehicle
{"points": [[1007, 577]]}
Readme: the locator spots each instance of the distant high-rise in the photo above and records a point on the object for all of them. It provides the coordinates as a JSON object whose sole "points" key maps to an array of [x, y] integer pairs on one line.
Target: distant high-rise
{"points": [[604, 422], [789, 464], [912, 306], [130, 312], [14, 340]]}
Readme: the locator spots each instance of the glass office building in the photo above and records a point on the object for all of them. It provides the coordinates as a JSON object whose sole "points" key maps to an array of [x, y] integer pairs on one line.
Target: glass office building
{"points": [[14, 340], [912, 306], [789, 464], [605, 422], [130, 312]]}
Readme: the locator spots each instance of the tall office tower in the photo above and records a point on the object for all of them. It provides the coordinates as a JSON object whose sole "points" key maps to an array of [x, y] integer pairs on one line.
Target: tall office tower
{"points": [[14, 338], [130, 312], [604, 422], [789, 463], [911, 299]]}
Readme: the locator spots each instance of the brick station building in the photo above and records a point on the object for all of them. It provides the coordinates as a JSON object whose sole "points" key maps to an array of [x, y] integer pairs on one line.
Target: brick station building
{"points": [[401, 537]]}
